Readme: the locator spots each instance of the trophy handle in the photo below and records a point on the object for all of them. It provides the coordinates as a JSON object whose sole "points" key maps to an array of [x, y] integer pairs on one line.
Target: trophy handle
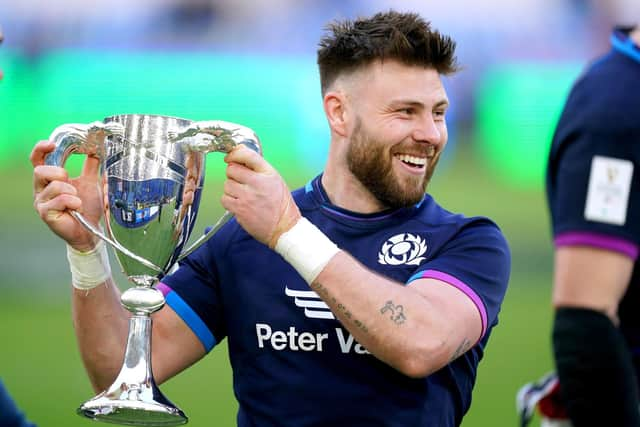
{"points": [[220, 136], [88, 139], [82, 139], [216, 135]]}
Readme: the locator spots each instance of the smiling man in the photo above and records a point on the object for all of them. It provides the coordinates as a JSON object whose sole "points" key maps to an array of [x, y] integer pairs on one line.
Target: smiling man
{"points": [[354, 301]]}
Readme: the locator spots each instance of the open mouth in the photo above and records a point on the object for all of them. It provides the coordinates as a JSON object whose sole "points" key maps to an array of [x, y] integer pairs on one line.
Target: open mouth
{"points": [[413, 162]]}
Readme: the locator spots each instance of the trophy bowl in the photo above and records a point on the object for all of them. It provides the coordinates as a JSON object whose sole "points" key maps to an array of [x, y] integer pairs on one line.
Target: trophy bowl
{"points": [[152, 170]]}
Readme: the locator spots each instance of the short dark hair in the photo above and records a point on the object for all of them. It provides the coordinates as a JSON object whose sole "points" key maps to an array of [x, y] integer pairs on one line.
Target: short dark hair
{"points": [[404, 37]]}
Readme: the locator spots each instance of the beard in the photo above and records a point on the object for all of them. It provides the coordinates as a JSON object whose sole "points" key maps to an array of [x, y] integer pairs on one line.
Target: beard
{"points": [[370, 161]]}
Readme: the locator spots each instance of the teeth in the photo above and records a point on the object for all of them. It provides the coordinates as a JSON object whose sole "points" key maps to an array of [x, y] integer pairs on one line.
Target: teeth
{"points": [[420, 161]]}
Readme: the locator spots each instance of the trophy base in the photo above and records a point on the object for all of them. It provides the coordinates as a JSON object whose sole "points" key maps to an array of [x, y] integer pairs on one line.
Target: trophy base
{"points": [[132, 412]]}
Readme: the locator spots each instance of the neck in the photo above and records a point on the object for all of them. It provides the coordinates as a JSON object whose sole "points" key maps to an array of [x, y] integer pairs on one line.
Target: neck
{"points": [[635, 35], [347, 192]]}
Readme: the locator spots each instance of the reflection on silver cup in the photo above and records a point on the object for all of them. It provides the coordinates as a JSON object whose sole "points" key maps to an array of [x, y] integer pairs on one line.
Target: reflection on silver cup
{"points": [[152, 171]]}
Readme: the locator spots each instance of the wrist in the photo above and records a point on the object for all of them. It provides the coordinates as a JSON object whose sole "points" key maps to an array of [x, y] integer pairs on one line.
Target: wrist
{"points": [[292, 215], [83, 248], [306, 248], [89, 268]]}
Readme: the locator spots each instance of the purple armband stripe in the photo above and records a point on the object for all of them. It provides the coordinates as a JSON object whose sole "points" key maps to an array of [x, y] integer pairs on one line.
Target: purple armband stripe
{"points": [[439, 275], [189, 316], [164, 289], [602, 241]]}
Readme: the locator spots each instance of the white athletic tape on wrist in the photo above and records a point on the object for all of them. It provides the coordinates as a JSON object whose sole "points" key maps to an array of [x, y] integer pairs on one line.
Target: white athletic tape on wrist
{"points": [[89, 269], [306, 248]]}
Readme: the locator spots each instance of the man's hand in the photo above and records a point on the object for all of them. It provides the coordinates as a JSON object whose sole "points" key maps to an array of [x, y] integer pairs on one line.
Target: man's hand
{"points": [[258, 196], [55, 194]]}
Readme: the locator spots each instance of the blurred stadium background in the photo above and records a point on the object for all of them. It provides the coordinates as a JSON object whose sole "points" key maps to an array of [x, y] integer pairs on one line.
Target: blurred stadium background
{"points": [[252, 62]]}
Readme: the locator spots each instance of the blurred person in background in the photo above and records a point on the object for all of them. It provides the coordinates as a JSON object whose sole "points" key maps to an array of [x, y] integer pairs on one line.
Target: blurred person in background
{"points": [[593, 189], [1, 40], [356, 300], [10, 415]]}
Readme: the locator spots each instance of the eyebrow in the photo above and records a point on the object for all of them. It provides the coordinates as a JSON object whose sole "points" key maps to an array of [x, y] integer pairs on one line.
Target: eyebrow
{"points": [[413, 103], [442, 103]]}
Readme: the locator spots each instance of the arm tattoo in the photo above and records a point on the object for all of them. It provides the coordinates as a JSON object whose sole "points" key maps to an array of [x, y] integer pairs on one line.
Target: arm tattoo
{"points": [[464, 346], [397, 315], [339, 308]]}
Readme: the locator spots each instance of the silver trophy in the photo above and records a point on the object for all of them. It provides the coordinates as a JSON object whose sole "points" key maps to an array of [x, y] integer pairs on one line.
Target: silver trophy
{"points": [[152, 169]]}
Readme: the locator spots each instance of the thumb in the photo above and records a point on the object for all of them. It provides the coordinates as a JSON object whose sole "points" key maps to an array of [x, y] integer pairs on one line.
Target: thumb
{"points": [[91, 166]]}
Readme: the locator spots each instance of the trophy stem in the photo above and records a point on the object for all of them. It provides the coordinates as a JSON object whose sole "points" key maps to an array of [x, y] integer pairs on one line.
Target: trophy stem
{"points": [[134, 399]]}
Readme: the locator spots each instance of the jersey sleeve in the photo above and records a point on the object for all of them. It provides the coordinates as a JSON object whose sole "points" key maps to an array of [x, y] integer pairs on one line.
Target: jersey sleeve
{"points": [[593, 190], [193, 292], [477, 261]]}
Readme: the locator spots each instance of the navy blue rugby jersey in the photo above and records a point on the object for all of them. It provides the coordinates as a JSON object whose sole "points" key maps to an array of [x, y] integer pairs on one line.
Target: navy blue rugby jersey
{"points": [[293, 363], [593, 176], [593, 181]]}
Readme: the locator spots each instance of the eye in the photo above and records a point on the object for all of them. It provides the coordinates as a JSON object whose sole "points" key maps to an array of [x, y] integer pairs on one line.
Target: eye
{"points": [[409, 111], [439, 114]]}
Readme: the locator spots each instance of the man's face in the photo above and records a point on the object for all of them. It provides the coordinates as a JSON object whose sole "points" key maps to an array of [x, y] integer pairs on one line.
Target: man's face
{"points": [[398, 131]]}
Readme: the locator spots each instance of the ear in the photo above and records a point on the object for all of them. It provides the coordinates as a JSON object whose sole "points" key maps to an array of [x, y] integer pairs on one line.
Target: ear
{"points": [[335, 106]]}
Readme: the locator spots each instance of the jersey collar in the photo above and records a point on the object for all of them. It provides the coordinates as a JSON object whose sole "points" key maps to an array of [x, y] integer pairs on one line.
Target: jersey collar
{"points": [[315, 190], [621, 42]]}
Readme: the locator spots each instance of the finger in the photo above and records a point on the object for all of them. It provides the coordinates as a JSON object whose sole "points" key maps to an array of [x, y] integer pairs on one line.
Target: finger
{"points": [[229, 203], [233, 189], [91, 166], [239, 172], [53, 209], [55, 189], [40, 151], [43, 175], [249, 158]]}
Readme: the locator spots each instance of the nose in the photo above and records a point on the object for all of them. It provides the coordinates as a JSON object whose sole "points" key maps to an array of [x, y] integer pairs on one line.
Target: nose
{"points": [[429, 130]]}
